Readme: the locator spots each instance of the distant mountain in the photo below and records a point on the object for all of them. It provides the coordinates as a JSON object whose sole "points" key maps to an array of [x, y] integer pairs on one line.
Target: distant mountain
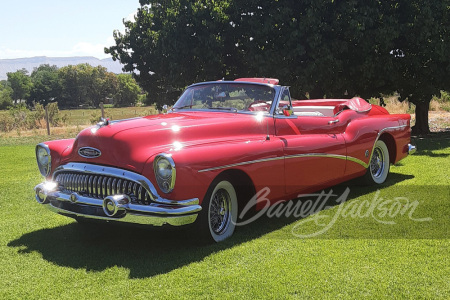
{"points": [[12, 65]]}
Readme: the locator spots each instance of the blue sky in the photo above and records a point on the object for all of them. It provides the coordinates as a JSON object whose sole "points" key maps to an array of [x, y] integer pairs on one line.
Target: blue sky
{"points": [[60, 28]]}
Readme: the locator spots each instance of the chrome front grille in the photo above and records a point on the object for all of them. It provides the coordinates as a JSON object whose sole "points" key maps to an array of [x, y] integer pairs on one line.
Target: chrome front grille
{"points": [[100, 186]]}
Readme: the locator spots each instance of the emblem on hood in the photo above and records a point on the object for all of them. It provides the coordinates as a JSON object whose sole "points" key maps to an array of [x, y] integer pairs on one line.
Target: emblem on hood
{"points": [[89, 152]]}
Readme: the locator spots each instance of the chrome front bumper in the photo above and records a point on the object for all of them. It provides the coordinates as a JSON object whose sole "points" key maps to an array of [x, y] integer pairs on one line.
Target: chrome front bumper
{"points": [[116, 208]]}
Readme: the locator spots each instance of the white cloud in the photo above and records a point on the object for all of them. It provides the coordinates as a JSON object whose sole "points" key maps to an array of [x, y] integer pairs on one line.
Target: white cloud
{"points": [[131, 16], [79, 49]]}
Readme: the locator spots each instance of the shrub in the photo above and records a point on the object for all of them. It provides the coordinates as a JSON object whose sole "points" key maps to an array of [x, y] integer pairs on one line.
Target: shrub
{"points": [[95, 117], [6, 122], [441, 103]]}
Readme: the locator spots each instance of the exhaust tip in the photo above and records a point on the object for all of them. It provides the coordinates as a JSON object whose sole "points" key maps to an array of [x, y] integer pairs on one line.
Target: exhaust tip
{"points": [[115, 205], [411, 149]]}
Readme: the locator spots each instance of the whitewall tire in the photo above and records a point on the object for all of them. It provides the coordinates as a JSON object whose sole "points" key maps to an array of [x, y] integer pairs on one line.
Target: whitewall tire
{"points": [[379, 164], [219, 212]]}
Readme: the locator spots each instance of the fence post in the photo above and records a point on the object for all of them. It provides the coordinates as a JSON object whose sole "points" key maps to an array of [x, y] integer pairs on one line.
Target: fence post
{"points": [[103, 111], [47, 120]]}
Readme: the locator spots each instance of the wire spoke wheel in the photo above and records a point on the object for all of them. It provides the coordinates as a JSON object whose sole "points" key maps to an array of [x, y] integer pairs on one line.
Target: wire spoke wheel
{"points": [[377, 163], [378, 168], [219, 211], [217, 219]]}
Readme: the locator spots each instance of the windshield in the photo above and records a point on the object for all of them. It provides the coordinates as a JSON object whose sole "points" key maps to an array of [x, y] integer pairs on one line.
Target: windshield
{"points": [[227, 96]]}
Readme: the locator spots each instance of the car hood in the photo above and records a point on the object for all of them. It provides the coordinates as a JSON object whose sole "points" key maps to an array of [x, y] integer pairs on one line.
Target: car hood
{"points": [[129, 144]]}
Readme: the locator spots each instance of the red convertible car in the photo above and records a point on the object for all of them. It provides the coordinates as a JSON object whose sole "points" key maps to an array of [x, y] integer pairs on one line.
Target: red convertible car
{"points": [[220, 143]]}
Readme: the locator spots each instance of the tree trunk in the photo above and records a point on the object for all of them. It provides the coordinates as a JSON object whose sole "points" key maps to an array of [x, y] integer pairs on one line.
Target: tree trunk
{"points": [[421, 126]]}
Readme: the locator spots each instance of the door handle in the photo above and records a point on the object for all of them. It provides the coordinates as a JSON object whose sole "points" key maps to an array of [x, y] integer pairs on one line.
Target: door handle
{"points": [[333, 121]]}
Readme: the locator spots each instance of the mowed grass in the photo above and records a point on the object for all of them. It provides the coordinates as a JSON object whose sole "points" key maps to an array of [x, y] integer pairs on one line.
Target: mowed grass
{"points": [[47, 256]]}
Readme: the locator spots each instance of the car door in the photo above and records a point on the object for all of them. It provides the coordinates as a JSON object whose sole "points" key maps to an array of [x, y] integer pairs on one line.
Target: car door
{"points": [[314, 150]]}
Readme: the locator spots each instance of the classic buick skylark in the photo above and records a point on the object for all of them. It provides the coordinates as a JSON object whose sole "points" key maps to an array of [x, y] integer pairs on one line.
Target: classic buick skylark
{"points": [[206, 157]]}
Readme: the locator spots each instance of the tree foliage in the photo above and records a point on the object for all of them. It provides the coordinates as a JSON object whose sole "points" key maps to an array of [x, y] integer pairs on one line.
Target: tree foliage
{"points": [[128, 91], [5, 95], [172, 44], [70, 86], [422, 60], [86, 85], [20, 83], [46, 86], [319, 47]]}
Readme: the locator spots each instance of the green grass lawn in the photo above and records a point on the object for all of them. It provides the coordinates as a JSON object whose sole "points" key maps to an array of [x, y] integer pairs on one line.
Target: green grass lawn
{"points": [[47, 256]]}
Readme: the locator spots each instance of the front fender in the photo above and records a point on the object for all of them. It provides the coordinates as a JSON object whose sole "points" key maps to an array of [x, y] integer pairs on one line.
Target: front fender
{"points": [[197, 166], [59, 149]]}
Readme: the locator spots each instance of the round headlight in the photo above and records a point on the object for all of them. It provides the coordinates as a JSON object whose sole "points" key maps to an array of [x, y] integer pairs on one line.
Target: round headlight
{"points": [[164, 168], [44, 160]]}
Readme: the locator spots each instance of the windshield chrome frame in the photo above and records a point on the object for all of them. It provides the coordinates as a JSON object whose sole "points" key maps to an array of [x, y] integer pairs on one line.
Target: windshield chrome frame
{"points": [[277, 89]]}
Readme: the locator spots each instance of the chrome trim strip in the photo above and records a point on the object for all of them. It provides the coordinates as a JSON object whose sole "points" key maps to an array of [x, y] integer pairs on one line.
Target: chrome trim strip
{"points": [[232, 82], [241, 164], [349, 158], [358, 161], [328, 155], [389, 128], [293, 116], [119, 173], [379, 134], [277, 98]]}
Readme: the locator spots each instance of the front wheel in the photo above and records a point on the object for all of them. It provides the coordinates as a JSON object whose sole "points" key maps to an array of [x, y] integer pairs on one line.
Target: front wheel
{"points": [[219, 212], [378, 169]]}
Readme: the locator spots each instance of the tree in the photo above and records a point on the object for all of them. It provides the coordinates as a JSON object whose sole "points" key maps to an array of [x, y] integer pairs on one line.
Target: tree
{"points": [[103, 85], [46, 85], [5, 96], [20, 83], [69, 86], [319, 47], [422, 54], [128, 91], [173, 44], [85, 85]]}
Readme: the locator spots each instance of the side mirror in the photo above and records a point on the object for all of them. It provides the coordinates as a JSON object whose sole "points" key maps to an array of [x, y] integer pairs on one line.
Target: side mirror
{"points": [[287, 111], [164, 109]]}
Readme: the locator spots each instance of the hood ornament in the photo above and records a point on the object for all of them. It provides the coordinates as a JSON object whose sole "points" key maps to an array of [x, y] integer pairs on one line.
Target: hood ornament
{"points": [[89, 152]]}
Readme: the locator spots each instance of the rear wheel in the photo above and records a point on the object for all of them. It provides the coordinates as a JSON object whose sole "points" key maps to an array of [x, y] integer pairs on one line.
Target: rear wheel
{"points": [[378, 169], [219, 212]]}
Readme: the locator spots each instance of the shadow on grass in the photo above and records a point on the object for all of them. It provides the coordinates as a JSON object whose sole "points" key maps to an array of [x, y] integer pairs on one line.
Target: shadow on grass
{"points": [[147, 252], [426, 145]]}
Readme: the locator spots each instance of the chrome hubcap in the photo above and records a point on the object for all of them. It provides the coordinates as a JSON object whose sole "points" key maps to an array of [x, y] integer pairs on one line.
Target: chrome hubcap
{"points": [[377, 163], [219, 211]]}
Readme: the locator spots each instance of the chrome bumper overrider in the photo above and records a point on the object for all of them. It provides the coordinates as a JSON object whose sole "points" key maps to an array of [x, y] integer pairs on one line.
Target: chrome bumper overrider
{"points": [[117, 208]]}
